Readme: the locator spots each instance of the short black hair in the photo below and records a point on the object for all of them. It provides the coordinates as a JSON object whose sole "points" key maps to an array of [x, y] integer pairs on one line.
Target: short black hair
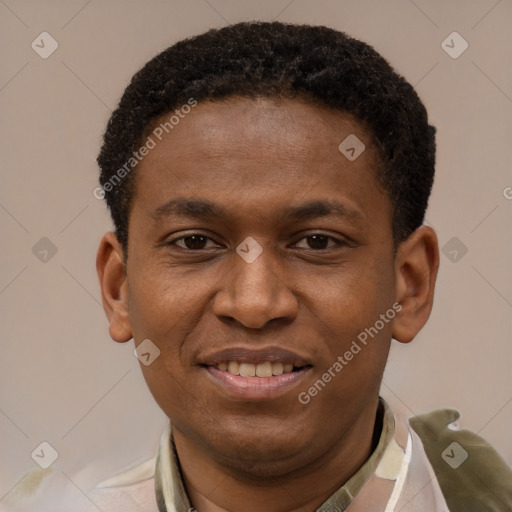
{"points": [[274, 59]]}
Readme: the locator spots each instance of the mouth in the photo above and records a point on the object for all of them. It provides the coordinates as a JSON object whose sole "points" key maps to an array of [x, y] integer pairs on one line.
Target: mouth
{"points": [[267, 369], [255, 375]]}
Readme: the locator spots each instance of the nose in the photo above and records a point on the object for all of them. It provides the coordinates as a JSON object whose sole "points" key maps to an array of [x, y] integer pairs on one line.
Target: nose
{"points": [[255, 293]]}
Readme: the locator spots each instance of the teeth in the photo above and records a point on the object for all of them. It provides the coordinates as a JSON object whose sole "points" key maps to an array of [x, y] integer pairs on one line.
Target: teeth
{"points": [[277, 368], [234, 367], [247, 370], [266, 369]]}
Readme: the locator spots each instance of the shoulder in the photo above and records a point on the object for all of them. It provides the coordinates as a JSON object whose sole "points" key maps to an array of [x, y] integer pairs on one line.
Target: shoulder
{"points": [[52, 490], [132, 490], [471, 474]]}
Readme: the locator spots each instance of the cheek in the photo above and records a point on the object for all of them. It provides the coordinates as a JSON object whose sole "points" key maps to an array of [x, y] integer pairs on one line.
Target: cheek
{"points": [[349, 303], [162, 298], [164, 310], [166, 307]]}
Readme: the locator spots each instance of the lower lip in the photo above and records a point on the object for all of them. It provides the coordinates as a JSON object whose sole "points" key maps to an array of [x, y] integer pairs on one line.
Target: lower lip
{"points": [[255, 388]]}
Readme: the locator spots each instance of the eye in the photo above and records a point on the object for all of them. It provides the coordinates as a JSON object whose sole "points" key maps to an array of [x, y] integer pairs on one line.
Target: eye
{"points": [[318, 242], [199, 241], [194, 241]]}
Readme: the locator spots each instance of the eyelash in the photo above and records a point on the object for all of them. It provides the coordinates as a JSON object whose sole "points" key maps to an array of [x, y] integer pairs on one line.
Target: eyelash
{"points": [[337, 242]]}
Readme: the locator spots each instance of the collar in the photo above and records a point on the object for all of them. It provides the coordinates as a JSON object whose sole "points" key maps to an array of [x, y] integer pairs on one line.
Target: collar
{"points": [[385, 461]]}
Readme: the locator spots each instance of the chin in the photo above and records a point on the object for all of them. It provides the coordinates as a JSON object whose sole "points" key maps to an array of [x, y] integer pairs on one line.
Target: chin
{"points": [[259, 453], [255, 464]]}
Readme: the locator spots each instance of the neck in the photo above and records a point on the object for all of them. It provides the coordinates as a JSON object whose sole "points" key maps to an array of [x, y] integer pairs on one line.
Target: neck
{"points": [[213, 487]]}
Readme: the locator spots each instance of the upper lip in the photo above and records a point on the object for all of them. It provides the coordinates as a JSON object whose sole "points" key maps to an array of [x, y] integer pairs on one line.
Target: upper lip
{"points": [[254, 356]]}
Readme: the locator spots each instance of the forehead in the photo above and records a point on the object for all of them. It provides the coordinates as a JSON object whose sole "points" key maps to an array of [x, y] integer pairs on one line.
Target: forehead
{"points": [[295, 126], [266, 152]]}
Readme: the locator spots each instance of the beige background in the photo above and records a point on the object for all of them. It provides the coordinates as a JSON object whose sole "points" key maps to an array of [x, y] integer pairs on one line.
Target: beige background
{"points": [[64, 381]]}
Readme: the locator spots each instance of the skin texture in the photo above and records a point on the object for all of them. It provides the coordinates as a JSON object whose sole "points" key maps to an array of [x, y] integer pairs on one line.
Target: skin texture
{"points": [[256, 159]]}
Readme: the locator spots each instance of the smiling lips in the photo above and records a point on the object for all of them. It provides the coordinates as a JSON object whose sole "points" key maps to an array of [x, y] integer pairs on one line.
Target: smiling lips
{"points": [[250, 362], [250, 374], [265, 369]]}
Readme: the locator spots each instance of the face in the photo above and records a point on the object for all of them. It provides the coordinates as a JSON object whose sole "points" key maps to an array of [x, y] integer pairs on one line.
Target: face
{"points": [[256, 246]]}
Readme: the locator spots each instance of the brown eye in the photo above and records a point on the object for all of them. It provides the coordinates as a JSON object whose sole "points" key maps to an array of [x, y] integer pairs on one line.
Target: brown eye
{"points": [[318, 242], [192, 242]]}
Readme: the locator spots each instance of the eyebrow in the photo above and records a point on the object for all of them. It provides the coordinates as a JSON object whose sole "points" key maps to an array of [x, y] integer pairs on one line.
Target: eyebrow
{"points": [[183, 207], [317, 209], [204, 209]]}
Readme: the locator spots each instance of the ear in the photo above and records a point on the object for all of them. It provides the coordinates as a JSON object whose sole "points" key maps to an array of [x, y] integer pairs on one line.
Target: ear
{"points": [[111, 269], [416, 266]]}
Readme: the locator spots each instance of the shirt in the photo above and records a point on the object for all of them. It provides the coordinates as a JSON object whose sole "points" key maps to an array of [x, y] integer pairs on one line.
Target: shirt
{"points": [[421, 464], [377, 486]]}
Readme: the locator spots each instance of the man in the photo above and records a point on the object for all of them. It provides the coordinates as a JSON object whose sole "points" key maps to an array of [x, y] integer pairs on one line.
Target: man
{"points": [[268, 184]]}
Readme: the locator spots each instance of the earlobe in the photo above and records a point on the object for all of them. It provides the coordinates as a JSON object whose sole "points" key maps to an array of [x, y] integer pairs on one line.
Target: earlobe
{"points": [[111, 270], [416, 266]]}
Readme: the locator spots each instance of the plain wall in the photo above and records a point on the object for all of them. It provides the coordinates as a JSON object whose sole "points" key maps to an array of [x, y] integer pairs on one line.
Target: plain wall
{"points": [[64, 381]]}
